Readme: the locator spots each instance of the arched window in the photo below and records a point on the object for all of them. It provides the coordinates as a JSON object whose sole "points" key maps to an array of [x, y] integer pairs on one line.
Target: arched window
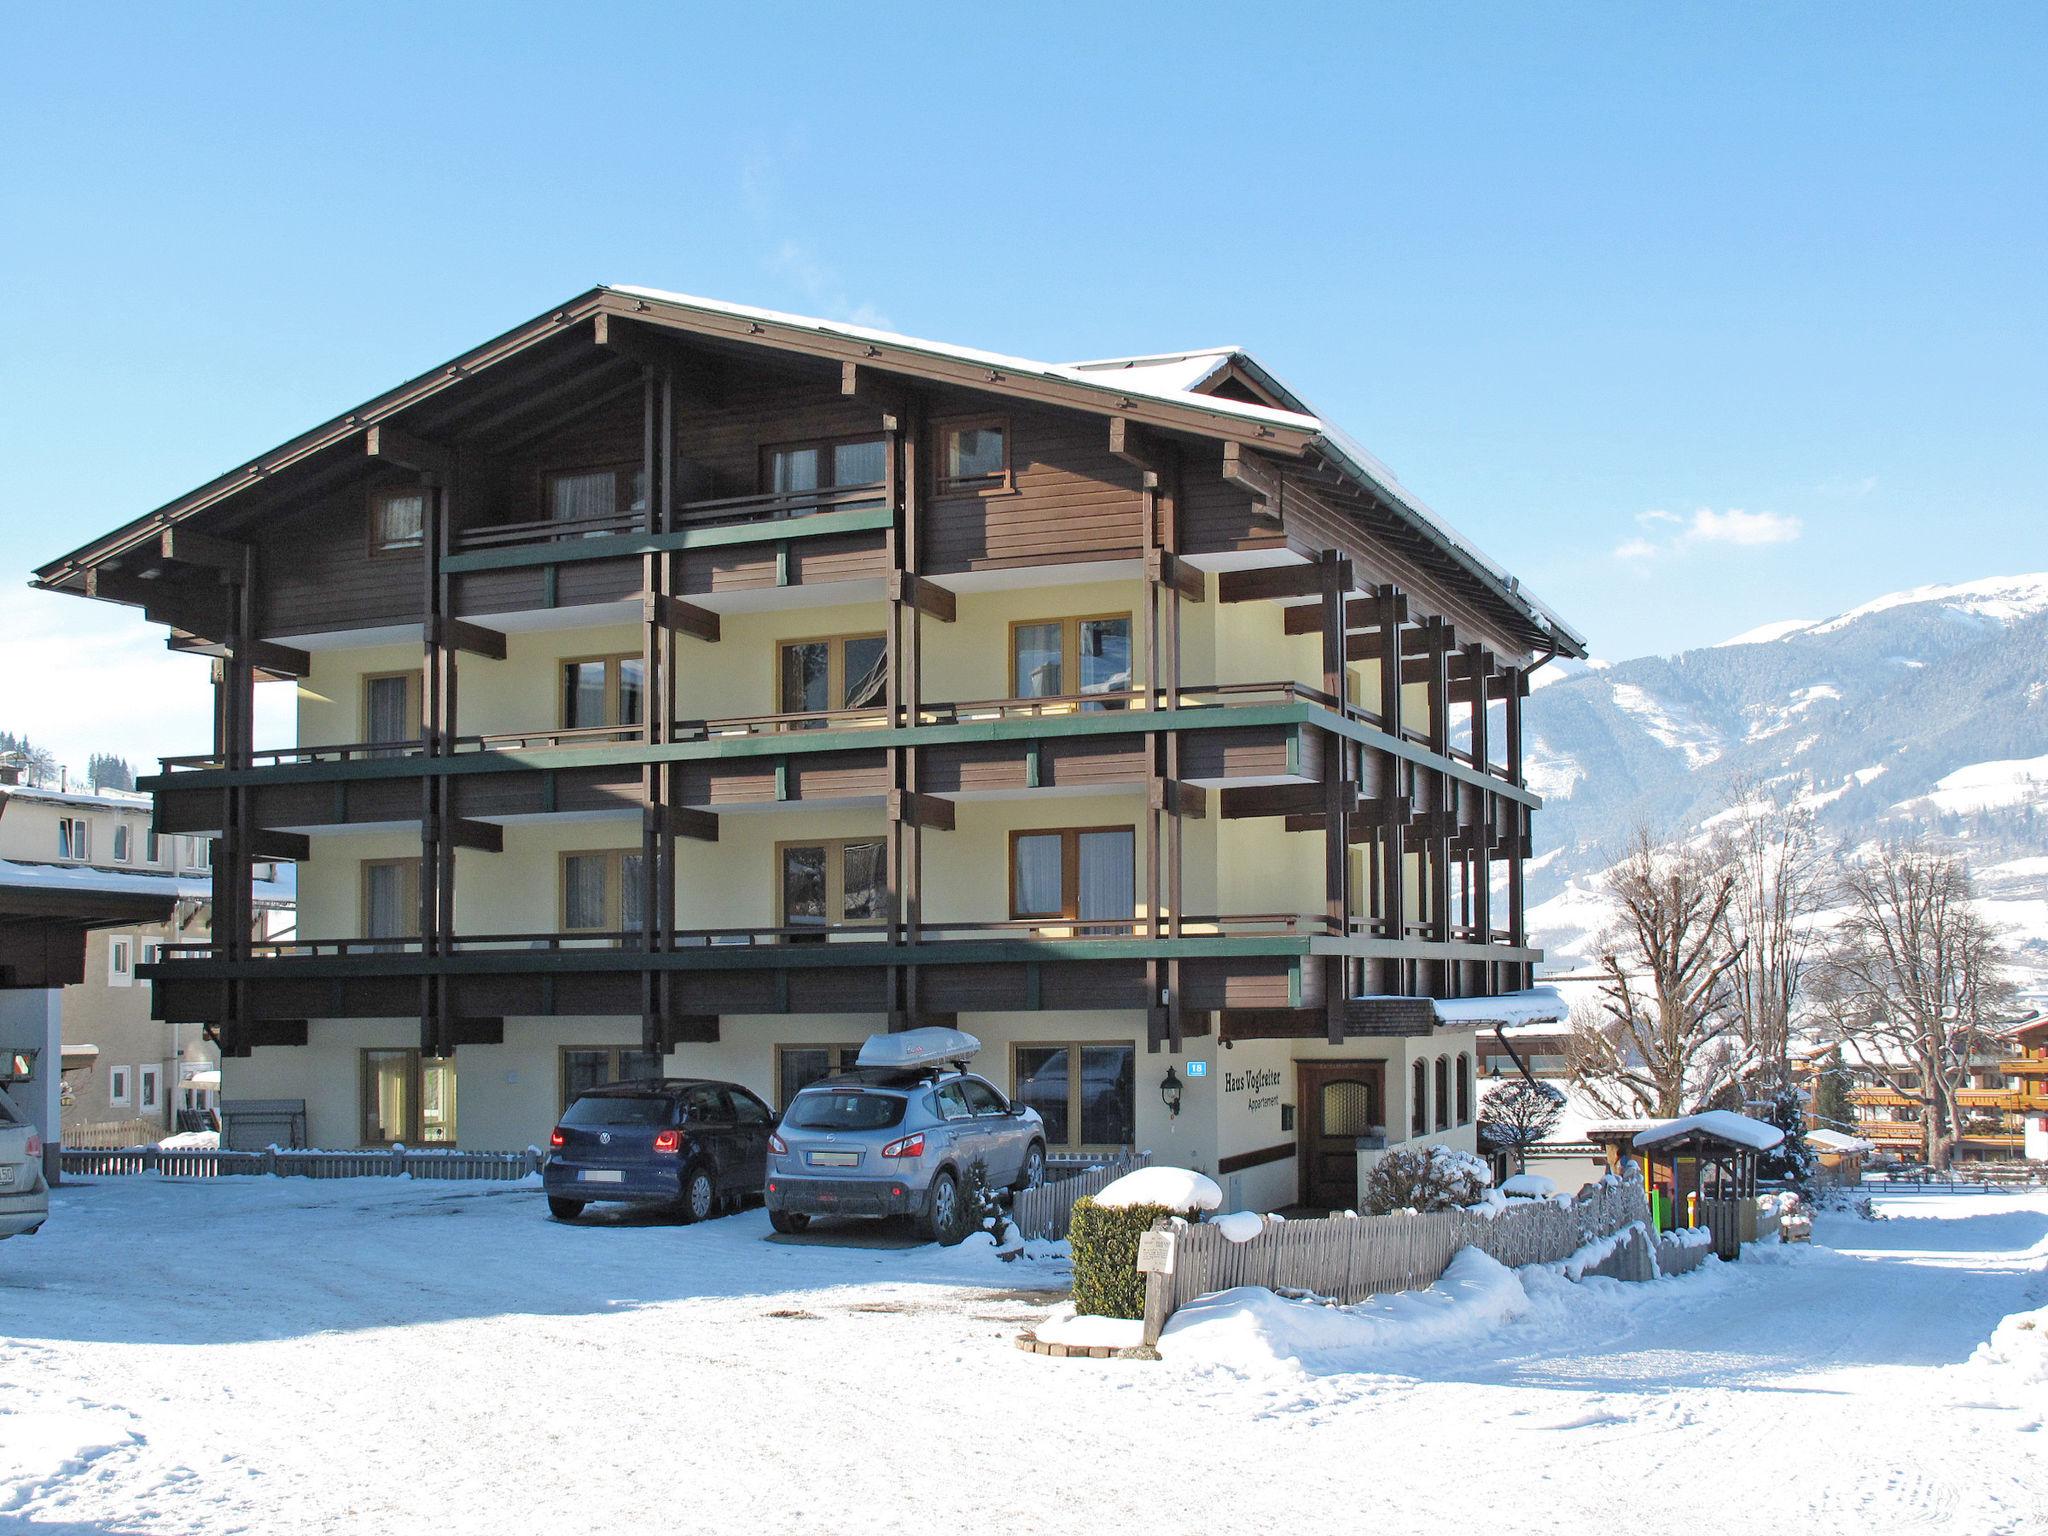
{"points": [[1443, 1092], [1464, 1089], [1418, 1105]]}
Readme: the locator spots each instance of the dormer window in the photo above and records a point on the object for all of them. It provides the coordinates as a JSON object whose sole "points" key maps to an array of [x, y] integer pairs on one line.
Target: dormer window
{"points": [[398, 521]]}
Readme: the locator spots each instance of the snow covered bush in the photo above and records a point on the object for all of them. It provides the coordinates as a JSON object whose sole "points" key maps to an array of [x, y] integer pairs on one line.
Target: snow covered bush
{"points": [[1104, 1240], [1425, 1179]]}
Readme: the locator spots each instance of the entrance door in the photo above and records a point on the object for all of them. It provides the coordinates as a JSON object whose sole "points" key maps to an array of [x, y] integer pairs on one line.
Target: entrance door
{"points": [[1339, 1102]]}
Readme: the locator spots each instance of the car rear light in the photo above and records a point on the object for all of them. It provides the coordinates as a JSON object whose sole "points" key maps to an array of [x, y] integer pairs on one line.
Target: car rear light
{"points": [[909, 1146], [776, 1144], [555, 1137], [35, 1145], [668, 1141]]}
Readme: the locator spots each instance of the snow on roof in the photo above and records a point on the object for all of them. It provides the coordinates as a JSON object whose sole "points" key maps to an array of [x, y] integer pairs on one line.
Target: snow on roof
{"points": [[1835, 1141], [1538, 1005], [113, 882], [1165, 377], [1721, 1124], [111, 799]]}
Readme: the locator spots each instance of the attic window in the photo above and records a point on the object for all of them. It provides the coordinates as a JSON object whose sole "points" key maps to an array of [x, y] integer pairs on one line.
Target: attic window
{"points": [[975, 455], [397, 521]]}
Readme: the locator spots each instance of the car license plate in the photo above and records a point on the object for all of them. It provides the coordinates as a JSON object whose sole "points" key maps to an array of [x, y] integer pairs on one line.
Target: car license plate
{"points": [[602, 1176], [7, 1174], [833, 1159]]}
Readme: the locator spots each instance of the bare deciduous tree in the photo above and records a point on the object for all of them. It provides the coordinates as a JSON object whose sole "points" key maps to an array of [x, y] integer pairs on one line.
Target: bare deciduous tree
{"points": [[1665, 1039], [1781, 884], [1916, 978]]}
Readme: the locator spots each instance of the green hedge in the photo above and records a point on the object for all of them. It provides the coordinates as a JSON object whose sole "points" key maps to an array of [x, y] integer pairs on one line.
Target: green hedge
{"points": [[1105, 1244]]}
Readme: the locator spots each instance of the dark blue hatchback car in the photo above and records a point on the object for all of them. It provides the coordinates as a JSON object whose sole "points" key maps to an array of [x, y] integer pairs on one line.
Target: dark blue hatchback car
{"points": [[689, 1144]]}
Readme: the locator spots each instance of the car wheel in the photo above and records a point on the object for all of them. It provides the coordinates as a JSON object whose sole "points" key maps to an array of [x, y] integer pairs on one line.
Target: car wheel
{"points": [[788, 1221], [942, 1211], [700, 1196], [1034, 1169], [564, 1210]]}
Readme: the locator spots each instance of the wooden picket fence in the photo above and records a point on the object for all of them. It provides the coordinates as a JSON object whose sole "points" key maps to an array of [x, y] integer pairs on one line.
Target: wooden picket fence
{"points": [[1047, 1212], [300, 1162], [1676, 1256], [1349, 1258]]}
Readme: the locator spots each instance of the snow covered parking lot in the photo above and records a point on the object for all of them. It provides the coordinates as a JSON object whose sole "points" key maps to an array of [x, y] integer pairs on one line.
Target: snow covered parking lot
{"points": [[273, 1355]]}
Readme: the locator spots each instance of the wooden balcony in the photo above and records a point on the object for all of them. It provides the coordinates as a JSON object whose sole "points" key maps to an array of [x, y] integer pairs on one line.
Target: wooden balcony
{"points": [[758, 512]]}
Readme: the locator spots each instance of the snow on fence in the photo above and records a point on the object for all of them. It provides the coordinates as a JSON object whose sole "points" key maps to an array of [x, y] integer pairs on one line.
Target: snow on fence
{"points": [[1349, 1258], [1047, 1212], [1683, 1251], [305, 1163]]}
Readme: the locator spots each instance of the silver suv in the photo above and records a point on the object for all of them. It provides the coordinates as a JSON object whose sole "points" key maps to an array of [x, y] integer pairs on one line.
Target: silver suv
{"points": [[898, 1141], [24, 1197]]}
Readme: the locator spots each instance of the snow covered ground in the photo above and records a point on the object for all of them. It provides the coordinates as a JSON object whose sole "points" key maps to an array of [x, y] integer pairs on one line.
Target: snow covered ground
{"points": [[295, 1356]]}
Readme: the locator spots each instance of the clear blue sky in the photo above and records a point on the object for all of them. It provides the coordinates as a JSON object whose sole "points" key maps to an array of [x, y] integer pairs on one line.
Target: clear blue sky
{"points": [[1564, 267]]}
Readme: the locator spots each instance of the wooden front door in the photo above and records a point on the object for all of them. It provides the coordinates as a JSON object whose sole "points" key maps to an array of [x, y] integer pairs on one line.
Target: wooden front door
{"points": [[1339, 1102]]}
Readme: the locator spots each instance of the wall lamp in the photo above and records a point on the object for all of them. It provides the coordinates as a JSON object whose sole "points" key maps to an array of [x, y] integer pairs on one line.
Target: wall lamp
{"points": [[1169, 1092]]}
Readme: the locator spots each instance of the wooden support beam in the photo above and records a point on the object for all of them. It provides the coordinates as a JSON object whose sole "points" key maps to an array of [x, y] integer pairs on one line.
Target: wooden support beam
{"points": [[933, 812], [395, 445], [1180, 799], [461, 635], [483, 836], [187, 546], [473, 1031], [284, 660], [1137, 446], [1363, 619], [924, 594], [1365, 821], [265, 844], [236, 1039], [1282, 800], [1171, 570], [849, 379], [1262, 583], [1244, 469], [684, 821], [671, 612]]}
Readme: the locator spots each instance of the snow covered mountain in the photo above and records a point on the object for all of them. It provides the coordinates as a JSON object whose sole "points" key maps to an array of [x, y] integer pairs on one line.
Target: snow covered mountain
{"points": [[1923, 713]]}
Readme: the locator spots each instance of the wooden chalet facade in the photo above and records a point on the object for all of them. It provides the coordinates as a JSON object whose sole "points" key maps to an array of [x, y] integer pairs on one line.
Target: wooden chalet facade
{"points": [[681, 680]]}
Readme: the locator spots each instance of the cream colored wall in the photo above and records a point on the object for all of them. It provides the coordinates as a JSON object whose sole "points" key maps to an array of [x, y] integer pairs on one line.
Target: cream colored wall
{"points": [[1263, 868], [331, 882], [733, 882], [1251, 647], [330, 695], [966, 871], [326, 1072]]}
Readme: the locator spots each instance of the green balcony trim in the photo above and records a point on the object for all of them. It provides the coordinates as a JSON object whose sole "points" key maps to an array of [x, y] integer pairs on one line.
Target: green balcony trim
{"points": [[625, 546], [555, 759]]}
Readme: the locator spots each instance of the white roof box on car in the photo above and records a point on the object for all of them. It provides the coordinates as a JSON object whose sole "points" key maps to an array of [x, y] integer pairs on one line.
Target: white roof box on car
{"points": [[918, 1048]]}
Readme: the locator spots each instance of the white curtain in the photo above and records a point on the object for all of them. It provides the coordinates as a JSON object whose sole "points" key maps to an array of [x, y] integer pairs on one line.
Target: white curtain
{"points": [[592, 494], [1109, 879], [583, 891], [1037, 876]]}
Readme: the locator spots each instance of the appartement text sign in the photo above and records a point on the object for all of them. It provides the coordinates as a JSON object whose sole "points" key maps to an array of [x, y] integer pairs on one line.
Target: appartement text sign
{"points": [[1155, 1253]]}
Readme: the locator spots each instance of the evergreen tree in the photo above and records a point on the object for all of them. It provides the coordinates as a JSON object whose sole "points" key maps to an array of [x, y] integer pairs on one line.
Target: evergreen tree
{"points": [[106, 771]]}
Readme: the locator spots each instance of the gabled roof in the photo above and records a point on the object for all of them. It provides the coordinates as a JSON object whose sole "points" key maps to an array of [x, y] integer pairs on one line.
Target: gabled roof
{"points": [[1164, 389]]}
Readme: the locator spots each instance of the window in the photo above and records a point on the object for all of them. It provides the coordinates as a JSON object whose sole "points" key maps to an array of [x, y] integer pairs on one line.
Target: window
{"points": [[407, 1098], [1056, 658], [1443, 1092], [602, 691], [72, 842], [585, 1067], [602, 891], [798, 1066], [152, 847], [122, 840], [854, 463], [391, 899], [832, 882], [391, 709], [120, 963], [1079, 874], [1418, 1103], [842, 672], [398, 520], [150, 1081], [1464, 1089], [580, 495], [118, 1079], [974, 455], [1092, 1107]]}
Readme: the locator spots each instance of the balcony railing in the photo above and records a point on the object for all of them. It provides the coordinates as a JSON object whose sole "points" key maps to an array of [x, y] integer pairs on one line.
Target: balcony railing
{"points": [[775, 506], [866, 717], [1243, 925]]}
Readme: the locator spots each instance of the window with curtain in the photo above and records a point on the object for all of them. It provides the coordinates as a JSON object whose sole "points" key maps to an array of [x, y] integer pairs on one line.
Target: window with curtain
{"points": [[391, 899], [1055, 658], [1081, 874], [397, 521], [577, 494], [391, 708], [974, 455], [603, 691], [1085, 1092], [602, 891], [390, 1096], [838, 672], [849, 464], [833, 882]]}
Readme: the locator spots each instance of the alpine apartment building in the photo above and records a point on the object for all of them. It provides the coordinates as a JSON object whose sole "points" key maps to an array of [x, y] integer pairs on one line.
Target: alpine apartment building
{"points": [[689, 686]]}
